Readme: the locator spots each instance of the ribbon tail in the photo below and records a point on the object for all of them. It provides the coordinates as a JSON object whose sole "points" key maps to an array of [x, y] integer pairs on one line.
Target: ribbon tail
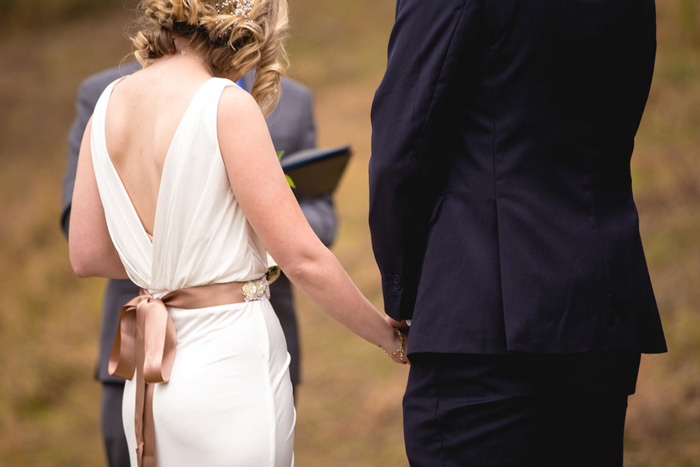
{"points": [[160, 341], [156, 345], [139, 414], [140, 402], [149, 432], [122, 359]]}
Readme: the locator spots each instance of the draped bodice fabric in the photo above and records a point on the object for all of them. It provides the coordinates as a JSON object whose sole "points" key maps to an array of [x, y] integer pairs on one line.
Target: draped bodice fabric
{"points": [[200, 234]]}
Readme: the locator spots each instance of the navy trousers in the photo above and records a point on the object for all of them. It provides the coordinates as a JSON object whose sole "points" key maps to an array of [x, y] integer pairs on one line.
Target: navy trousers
{"points": [[518, 410]]}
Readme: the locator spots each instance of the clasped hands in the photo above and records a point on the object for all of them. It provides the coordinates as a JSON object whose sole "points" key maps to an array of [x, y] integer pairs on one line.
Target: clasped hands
{"points": [[401, 329]]}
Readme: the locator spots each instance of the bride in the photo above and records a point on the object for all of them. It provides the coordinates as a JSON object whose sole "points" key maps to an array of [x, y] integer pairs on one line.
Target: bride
{"points": [[179, 189]]}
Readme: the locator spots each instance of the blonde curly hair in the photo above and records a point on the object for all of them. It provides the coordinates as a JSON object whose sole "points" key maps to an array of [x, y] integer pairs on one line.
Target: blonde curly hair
{"points": [[232, 44]]}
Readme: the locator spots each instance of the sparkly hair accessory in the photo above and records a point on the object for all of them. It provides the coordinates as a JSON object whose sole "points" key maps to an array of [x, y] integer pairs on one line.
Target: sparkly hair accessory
{"points": [[236, 7]]}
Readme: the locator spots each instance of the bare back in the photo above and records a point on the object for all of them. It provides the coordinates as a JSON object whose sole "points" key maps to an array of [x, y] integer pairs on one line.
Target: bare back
{"points": [[143, 114]]}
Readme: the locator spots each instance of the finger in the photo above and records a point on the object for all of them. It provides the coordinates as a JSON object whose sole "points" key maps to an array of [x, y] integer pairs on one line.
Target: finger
{"points": [[396, 324]]}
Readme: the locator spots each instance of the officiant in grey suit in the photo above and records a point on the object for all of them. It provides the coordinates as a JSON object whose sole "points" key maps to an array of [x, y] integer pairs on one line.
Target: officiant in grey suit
{"points": [[292, 128]]}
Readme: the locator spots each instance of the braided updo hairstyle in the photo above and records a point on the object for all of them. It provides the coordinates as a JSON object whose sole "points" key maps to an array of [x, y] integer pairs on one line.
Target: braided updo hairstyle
{"points": [[232, 43]]}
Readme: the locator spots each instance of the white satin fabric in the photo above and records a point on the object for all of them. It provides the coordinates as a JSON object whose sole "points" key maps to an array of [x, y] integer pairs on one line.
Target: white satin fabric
{"points": [[229, 399]]}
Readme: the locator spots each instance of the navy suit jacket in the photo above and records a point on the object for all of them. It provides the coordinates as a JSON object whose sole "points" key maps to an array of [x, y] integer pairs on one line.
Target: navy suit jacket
{"points": [[292, 128], [501, 206]]}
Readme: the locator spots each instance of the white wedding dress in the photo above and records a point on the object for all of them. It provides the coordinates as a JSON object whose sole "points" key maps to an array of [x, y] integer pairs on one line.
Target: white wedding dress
{"points": [[229, 399]]}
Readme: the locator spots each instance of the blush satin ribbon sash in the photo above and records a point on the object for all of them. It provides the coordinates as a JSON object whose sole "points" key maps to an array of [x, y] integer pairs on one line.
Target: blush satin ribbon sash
{"points": [[146, 341]]}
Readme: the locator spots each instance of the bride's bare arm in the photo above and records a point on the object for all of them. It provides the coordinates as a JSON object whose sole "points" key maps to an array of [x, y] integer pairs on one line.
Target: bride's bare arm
{"points": [[262, 191], [92, 253]]}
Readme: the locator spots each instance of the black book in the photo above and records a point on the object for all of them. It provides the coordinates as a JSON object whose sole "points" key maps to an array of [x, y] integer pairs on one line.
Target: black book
{"points": [[316, 172]]}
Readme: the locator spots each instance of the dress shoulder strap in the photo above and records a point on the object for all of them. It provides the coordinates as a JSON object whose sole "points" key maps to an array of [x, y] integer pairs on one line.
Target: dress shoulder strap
{"points": [[98, 116], [209, 104]]}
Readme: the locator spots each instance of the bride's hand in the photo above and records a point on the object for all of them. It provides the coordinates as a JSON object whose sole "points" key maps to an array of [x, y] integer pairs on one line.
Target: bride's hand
{"points": [[397, 349], [400, 325]]}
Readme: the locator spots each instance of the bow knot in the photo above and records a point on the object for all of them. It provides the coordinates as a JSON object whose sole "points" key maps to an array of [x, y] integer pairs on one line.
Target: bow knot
{"points": [[145, 340], [145, 345]]}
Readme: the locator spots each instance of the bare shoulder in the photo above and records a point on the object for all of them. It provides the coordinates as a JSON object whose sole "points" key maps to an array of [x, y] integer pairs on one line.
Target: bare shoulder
{"points": [[241, 127], [236, 105]]}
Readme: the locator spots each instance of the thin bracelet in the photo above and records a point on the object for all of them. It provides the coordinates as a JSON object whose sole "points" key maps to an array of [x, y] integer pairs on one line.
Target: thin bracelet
{"points": [[401, 351]]}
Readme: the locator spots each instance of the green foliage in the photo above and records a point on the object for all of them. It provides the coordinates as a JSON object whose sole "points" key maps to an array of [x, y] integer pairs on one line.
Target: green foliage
{"points": [[289, 179]]}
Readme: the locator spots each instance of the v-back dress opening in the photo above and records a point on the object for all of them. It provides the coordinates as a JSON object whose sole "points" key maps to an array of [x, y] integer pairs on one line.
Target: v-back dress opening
{"points": [[229, 399]]}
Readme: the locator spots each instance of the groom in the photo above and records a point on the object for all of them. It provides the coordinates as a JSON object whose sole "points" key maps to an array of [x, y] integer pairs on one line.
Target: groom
{"points": [[292, 128], [504, 227]]}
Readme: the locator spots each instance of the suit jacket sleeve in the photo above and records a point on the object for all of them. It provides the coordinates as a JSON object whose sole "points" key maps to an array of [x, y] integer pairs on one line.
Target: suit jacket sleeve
{"points": [[85, 105], [412, 109], [295, 119], [88, 94], [319, 211]]}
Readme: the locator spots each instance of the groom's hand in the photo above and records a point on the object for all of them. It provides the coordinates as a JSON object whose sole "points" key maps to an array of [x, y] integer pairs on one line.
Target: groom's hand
{"points": [[400, 325], [403, 327]]}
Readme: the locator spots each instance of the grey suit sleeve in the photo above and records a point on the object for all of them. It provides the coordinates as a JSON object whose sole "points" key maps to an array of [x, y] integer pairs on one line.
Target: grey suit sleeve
{"points": [[84, 108], [321, 216], [88, 94], [319, 211]]}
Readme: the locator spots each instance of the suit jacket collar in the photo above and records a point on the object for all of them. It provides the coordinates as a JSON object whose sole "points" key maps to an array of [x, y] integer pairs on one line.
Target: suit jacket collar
{"points": [[249, 80]]}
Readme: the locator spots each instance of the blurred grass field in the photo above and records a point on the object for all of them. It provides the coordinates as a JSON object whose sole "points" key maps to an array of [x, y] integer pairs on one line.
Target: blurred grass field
{"points": [[349, 403]]}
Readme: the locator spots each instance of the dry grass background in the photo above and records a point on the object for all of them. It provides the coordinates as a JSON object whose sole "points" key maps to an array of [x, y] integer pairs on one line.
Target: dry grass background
{"points": [[349, 403]]}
